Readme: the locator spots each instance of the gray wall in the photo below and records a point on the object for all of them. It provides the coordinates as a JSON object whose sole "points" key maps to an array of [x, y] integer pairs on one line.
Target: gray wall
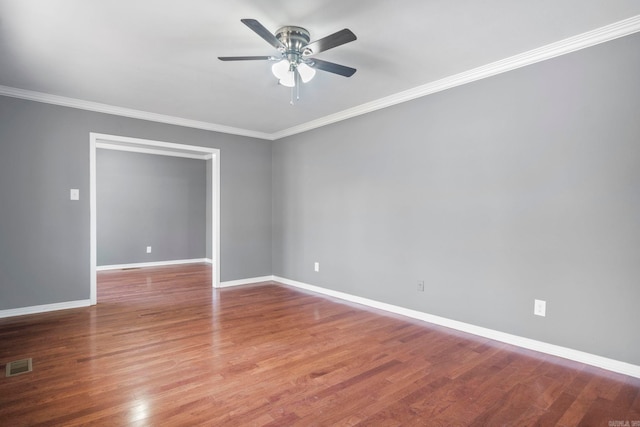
{"points": [[521, 186], [150, 200], [44, 237]]}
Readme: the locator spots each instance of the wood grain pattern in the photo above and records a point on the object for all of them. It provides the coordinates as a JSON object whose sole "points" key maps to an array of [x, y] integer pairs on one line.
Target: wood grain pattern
{"points": [[163, 348]]}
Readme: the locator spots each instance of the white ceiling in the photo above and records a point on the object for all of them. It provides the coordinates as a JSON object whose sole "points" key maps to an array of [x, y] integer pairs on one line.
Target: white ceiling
{"points": [[160, 56]]}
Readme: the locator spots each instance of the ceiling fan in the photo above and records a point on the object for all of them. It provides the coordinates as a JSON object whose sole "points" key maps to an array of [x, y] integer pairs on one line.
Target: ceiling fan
{"points": [[295, 64]]}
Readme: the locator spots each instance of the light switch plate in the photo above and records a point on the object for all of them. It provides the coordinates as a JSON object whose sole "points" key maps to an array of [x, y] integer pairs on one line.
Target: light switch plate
{"points": [[74, 194], [540, 308]]}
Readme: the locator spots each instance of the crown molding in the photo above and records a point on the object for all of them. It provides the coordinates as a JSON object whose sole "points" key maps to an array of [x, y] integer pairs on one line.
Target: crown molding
{"points": [[591, 38], [126, 112], [562, 47]]}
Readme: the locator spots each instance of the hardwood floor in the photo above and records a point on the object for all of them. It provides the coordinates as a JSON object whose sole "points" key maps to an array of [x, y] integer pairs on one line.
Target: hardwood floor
{"points": [[163, 348]]}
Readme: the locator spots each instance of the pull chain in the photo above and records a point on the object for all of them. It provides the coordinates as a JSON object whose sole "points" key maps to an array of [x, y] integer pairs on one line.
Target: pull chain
{"points": [[296, 87]]}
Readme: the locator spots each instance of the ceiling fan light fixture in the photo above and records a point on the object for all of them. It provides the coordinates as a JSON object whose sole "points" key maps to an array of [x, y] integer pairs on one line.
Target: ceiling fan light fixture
{"points": [[306, 73], [289, 80], [283, 72], [281, 69]]}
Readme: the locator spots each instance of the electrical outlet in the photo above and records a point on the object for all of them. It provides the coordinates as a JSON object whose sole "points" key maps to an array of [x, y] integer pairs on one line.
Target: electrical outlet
{"points": [[420, 285], [74, 194], [148, 249], [540, 308], [316, 266]]}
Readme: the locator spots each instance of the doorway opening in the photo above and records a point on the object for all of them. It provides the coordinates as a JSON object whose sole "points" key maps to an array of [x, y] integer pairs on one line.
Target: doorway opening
{"points": [[113, 142]]}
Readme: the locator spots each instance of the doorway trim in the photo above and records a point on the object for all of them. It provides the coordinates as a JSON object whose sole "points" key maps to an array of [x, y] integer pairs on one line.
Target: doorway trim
{"points": [[123, 143]]}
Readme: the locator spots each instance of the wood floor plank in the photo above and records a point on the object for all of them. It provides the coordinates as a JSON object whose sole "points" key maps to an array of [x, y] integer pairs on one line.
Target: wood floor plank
{"points": [[164, 348]]}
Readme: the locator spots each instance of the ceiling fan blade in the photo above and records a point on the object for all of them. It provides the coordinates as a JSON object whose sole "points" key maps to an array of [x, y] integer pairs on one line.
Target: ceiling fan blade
{"points": [[336, 39], [260, 30], [245, 58], [331, 67]]}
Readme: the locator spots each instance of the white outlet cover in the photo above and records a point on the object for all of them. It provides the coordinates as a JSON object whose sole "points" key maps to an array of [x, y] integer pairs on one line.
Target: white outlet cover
{"points": [[148, 249], [74, 194], [540, 308], [316, 266]]}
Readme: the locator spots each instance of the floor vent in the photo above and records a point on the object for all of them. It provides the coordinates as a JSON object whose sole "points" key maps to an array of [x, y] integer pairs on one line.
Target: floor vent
{"points": [[19, 367]]}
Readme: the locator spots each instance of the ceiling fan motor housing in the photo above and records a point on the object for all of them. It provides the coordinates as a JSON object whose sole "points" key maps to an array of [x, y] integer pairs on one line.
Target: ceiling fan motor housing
{"points": [[295, 39]]}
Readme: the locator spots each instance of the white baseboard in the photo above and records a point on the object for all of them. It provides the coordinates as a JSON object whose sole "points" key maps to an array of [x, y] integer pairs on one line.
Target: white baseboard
{"points": [[44, 308], [241, 282], [152, 264], [552, 349]]}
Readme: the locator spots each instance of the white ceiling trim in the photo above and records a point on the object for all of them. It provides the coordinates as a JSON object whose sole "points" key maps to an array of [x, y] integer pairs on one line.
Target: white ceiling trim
{"points": [[572, 44], [126, 112], [610, 32]]}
